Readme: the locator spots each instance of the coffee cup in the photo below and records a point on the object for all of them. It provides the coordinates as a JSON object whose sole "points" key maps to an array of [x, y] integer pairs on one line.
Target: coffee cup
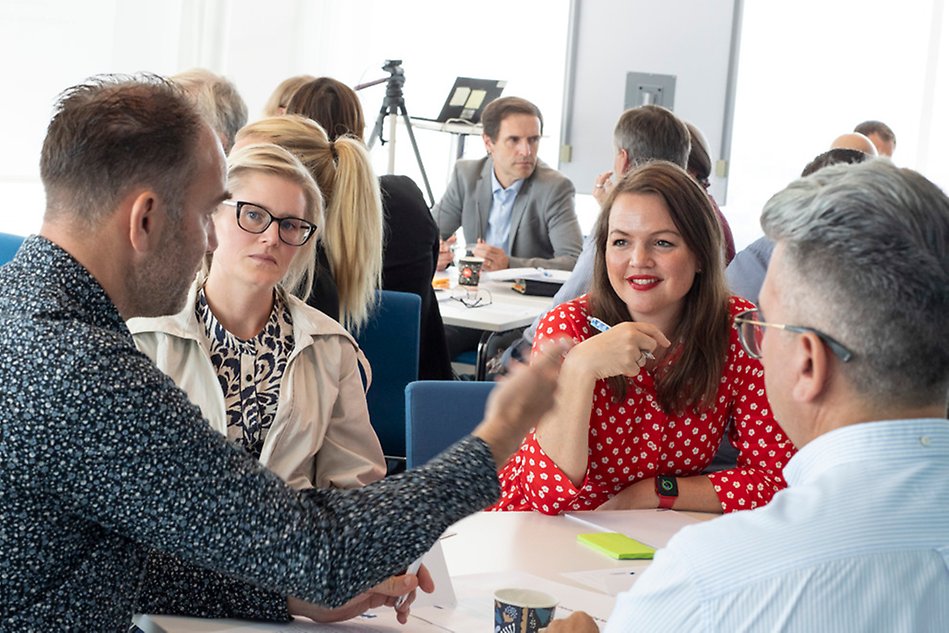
{"points": [[469, 271], [522, 610]]}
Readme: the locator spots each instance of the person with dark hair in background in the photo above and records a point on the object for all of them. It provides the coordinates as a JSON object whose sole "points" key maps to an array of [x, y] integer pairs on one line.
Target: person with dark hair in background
{"points": [[880, 134], [700, 166], [104, 459], [746, 272], [649, 396], [410, 239]]}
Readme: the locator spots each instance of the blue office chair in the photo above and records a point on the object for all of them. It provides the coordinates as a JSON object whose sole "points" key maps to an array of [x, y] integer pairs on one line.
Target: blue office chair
{"points": [[440, 412], [9, 245], [390, 341]]}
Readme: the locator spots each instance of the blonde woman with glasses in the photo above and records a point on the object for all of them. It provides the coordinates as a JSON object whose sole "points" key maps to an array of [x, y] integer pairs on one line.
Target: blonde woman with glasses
{"points": [[349, 249], [280, 379], [277, 377]]}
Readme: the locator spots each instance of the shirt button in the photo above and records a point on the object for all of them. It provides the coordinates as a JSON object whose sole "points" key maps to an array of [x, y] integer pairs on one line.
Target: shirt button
{"points": [[248, 377], [924, 440]]}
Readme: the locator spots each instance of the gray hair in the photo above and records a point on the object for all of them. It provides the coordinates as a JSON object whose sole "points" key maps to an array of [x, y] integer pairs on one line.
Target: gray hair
{"points": [[651, 132], [217, 99], [868, 247]]}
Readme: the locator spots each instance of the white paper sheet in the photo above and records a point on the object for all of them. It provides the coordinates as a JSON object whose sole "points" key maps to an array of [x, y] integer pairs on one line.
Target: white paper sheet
{"points": [[652, 527], [611, 581]]}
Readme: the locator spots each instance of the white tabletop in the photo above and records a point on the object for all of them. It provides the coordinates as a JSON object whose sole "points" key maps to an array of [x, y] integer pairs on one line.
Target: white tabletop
{"points": [[505, 547], [508, 309]]}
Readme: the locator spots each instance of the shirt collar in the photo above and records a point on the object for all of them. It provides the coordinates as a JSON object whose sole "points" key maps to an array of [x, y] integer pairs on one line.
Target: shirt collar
{"points": [[866, 441], [496, 185]]}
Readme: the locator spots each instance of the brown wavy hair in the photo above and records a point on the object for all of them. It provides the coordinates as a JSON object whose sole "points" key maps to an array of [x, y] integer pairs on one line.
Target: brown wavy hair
{"points": [[691, 372]]}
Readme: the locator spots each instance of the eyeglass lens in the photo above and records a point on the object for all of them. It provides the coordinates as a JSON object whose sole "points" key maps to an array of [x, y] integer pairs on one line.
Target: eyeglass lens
{"points": [[257, 220]]}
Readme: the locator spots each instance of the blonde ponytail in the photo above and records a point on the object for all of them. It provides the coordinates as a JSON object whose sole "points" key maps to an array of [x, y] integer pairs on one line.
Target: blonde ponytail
{"points": [[353, 235]]}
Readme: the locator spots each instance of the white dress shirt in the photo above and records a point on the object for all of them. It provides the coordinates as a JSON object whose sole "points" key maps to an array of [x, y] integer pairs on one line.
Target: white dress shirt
{"points": [[859, 541]]}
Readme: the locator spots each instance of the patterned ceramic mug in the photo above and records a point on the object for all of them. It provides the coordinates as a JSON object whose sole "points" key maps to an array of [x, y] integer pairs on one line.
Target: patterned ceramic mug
{"points": [[522, 610]]}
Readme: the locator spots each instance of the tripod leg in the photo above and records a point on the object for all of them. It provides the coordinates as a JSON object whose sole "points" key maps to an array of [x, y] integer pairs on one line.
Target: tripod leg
{"points": [[377, 128], [418, 157]]}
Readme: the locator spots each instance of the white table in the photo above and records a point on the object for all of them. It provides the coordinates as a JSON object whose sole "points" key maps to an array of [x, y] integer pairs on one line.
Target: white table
{"points": [[502, 545], [509, 310]]}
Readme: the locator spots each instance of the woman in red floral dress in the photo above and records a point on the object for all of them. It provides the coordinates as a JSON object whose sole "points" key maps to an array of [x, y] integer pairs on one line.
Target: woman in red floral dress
{"points": [[643, 406]]}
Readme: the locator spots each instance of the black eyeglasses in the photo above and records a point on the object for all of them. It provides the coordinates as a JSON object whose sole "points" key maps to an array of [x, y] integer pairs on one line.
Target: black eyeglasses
{"points": [[751, 331], [254, 218]]}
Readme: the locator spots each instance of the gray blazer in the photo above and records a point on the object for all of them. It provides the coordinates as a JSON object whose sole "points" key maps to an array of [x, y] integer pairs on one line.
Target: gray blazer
{"points": [[544, 227]]}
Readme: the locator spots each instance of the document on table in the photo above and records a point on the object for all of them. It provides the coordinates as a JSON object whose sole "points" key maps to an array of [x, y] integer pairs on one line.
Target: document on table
{"points": [[538, 274], [652, 527], [611, 580]]}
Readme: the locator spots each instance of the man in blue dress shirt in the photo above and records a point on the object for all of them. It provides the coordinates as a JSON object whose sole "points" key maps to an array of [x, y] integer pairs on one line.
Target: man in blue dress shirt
{"points": [[854, 342]]}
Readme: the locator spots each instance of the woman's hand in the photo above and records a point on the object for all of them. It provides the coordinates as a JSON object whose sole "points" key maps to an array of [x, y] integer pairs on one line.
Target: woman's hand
{"points": [[617, 352], [385, 593]]}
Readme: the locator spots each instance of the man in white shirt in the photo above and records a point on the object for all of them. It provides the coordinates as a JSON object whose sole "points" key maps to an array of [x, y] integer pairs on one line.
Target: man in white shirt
{"points": [[854, 343]]}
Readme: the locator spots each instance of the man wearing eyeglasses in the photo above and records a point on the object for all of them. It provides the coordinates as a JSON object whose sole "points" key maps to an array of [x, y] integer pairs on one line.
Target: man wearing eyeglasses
{"points": [[854, 339], [102, 459]]}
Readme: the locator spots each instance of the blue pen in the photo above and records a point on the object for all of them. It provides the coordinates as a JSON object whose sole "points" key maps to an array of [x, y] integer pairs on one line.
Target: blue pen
{"points": [[603, 327]]}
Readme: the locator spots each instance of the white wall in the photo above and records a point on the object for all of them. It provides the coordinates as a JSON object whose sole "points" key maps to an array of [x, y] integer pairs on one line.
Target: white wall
{"points": [[690, 40], [47, 45], [811, 70]]}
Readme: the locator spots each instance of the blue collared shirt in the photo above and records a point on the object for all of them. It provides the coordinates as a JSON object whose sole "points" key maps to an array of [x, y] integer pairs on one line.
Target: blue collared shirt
{"points": [[502, 207], [859, 541]]}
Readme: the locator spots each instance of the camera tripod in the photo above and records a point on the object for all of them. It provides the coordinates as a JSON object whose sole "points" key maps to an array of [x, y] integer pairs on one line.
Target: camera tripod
{"points": [[394, 104]]}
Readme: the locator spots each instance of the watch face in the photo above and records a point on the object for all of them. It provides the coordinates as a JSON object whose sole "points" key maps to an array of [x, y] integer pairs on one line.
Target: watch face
{"points": [[667, 486]]}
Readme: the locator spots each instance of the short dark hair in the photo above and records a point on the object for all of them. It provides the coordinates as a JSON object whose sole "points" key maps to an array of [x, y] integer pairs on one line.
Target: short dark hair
{"points": [[700, 163], [834, 157], [879, 128], [500, 109], [115, 132], [332, 104], [651, 132]]}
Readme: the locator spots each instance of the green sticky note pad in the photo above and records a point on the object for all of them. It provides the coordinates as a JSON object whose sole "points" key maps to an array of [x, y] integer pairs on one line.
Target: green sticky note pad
{"points": [[617, 545]]}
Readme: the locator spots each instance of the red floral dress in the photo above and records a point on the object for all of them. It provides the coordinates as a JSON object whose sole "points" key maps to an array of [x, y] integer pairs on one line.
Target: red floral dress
{"points": [[635, 439]]}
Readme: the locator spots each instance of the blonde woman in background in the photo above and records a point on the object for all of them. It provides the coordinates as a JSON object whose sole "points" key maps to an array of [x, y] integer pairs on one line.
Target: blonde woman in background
{"points": [[349, 252], [277, 103]]}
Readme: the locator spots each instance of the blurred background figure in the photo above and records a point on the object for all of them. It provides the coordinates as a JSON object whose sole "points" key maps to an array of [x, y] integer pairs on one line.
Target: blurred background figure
{"points": [[218, 101], [280, 97], [410, 244], [880, 134], [855, 140]]}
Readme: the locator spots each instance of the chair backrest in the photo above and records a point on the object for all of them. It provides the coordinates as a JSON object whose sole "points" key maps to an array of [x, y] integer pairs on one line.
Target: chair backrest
{"points": [[440, 412], [9, 245], [390, 340]]}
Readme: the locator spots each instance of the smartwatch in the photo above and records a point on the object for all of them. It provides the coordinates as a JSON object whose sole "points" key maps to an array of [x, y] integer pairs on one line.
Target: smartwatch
{"points": [[668, 490]]}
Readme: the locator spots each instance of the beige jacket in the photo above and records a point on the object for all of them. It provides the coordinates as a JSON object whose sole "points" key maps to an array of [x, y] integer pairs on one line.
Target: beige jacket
{"points": [[321, 435]]}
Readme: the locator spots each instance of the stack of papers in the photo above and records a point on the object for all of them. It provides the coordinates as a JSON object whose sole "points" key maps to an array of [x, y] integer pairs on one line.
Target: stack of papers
{"points": [[534, 274]]}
